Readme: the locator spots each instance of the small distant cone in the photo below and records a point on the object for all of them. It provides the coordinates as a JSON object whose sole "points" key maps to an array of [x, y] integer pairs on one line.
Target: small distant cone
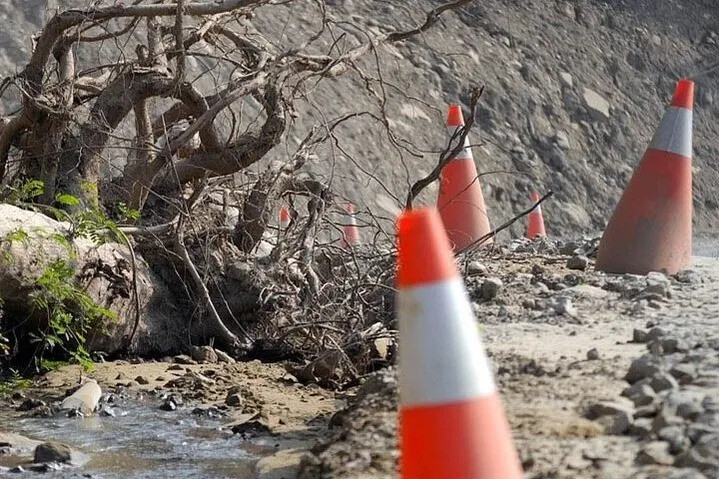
{"points": [[651, 228], [350, 231], [460, 201], [452, 422], [284, 218], [535, 227]]}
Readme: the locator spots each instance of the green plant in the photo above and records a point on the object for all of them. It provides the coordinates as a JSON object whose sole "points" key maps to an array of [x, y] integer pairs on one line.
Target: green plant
{"points": [[12, 384], [70, 313], [24, 191]]}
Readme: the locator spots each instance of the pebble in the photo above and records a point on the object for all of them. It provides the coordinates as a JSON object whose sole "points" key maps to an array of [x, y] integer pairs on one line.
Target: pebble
{"points": [[593, 354], [645, 366], [107, 411], [30, 404], [52, 452], [689, 410], [641, 427], [490, 288], [203, 354], [663, 382], [676, 438], [564, 306], [655, 452], [142, 380], [639, 336], [640, 393], [655, 333], [578, 262], [476, 268], [684, 373]]}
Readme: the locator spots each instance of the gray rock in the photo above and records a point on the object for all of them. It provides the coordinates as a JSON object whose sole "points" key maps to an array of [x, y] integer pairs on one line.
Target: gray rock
{"points": [[711, 404], [234, 400], [597, 106], [645, 366], [616, 424], [640, 393], [561, 140], [566, 80], [52, 452], [649, 410], [565, 307], [30, 404], [203, 354], [639, 336], [655, 452], [475, 268], [675, 436], [107, 411], [686, 473], [664, 418], [663, 382], [84, 400], [696, 431], [655, 333], [698, 459], [674, 345], [689, 410], [578, 262], [684, 373], [616, 417], [593, 354], [490, 288], [641, 427]]}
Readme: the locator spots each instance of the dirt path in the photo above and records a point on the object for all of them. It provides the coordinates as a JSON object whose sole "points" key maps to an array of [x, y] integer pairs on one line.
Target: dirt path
{"points": [[540, 330]]}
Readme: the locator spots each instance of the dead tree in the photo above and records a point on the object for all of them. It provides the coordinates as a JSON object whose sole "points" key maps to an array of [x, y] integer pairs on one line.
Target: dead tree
{"points": [[71, 111]]}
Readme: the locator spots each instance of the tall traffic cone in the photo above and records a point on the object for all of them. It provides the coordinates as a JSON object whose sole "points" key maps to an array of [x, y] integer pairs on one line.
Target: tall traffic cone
{"points": [[350, 231], [535, 227], [284, 218], [651, 228], [452, 423], [460, 201]]}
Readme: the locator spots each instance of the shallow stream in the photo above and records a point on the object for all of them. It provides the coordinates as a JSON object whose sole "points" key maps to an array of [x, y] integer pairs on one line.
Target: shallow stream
{"points": [[141, 441]]}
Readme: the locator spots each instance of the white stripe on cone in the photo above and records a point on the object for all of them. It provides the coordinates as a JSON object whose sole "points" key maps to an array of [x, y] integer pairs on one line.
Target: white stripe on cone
{"points": [[467, 151], [675, 132], [350, 233], [441, 356]]}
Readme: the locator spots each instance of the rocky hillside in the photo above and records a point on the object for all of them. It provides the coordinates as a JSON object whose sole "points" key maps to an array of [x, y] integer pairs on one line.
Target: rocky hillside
{"points": [[573, 92]]}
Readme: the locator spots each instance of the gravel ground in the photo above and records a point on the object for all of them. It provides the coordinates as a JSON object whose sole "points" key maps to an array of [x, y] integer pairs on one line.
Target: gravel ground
{"points": [[602, 376]]}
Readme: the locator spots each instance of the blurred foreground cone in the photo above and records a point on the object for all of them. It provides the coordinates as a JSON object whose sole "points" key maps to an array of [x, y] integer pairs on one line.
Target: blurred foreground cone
{"points": [[536, 221], [350, 231], [284, 218], [452, 423], [460, 201], [651, 228]]}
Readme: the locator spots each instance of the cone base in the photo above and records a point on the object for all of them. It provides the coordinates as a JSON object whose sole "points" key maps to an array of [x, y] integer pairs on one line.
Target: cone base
{"points": [[461, 204], [464, 440], [651, 229]]}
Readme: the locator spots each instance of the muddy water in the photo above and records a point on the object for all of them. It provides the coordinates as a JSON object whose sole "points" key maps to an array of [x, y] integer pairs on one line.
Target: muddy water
{"points": [[143, 442]]}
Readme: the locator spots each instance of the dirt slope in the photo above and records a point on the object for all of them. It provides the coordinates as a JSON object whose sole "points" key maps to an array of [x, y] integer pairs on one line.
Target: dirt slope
{"points": [[536, 59]]}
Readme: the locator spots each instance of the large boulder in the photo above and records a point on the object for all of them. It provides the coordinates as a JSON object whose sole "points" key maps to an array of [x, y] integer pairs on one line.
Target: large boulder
{"points": [[31, 242]]}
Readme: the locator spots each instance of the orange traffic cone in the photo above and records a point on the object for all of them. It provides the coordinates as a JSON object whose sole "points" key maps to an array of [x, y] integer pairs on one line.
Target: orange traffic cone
{"points": [[452, 423], [535, 227], [651, 228], [350, 231], [460, 201], [284, 218]]}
